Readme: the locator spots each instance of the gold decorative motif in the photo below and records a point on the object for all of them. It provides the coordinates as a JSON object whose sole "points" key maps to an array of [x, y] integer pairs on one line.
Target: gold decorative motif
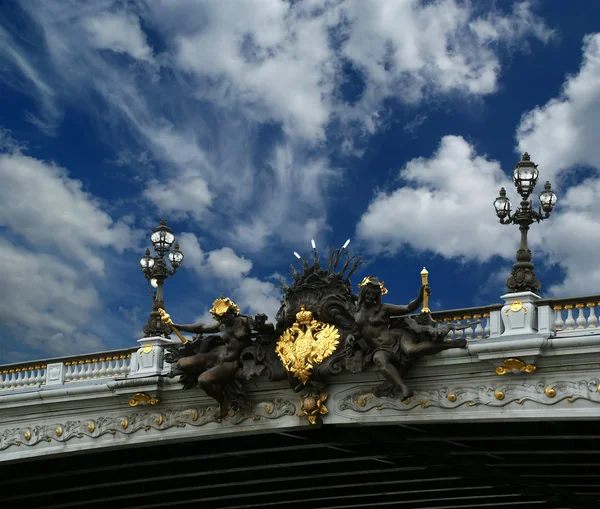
{"points": [[195, 415], [269, 408], [306, 343], [312, 406], [221, 306], [499, 395], [514, 366], [91, 427], [452, 397], [27, 435], [124, 423], [147, 349], [144, 399], [369, 280], [159, 419], [550, 392], [59, 431], [516, 306]]}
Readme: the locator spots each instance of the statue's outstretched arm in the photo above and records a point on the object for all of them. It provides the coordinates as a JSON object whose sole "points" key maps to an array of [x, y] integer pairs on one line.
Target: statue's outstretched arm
{"points": [[395, 310], [197, 328]]}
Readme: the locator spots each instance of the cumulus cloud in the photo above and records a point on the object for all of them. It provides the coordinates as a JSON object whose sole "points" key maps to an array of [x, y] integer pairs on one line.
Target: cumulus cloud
{"points": [[47, 208], [57, 236], [444, 205], [226, 70], [561, 137], [561, 134], [231, 271]]}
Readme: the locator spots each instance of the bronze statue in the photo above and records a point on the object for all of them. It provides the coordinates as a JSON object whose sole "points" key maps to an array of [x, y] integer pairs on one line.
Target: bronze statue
{"points": [[394, 346], [213, 362]]}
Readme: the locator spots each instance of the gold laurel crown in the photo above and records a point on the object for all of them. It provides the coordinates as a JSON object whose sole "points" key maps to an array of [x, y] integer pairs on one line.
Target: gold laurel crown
{"points": [[304, 317], [372, 280], [221, 305]]}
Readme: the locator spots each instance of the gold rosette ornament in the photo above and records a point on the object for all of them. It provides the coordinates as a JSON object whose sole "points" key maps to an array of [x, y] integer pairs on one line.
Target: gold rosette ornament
{"points": [[305, 344]]}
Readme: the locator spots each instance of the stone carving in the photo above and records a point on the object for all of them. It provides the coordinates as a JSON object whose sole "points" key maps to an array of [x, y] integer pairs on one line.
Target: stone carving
{"points": [[215, 363], [134, 422], [488, 395]]}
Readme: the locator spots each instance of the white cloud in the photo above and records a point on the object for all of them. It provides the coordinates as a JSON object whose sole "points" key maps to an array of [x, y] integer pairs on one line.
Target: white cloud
{"points": [[49, 209], [231, 273], [45, 302], [59, 236], [119, 32], [562, 133], [227, 68], [412, 50], [224, 263], [444, 206], [561, 137], [181, 197]]}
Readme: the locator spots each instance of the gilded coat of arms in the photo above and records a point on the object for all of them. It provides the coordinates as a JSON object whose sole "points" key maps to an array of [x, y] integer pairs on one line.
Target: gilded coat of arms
{"points": [[306, 344]]}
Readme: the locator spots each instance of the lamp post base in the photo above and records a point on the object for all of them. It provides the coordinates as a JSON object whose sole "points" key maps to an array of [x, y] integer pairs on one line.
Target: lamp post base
{"points": [[156, 327], [522, 279]]}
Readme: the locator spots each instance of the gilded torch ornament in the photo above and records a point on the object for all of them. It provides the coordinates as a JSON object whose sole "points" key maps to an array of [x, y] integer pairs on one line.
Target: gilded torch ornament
{"points": [[166, 318], [424, 282]]}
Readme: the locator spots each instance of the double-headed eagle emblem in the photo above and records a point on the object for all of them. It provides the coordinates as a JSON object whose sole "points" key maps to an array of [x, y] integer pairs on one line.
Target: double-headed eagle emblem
{"points": [[305, 344]]}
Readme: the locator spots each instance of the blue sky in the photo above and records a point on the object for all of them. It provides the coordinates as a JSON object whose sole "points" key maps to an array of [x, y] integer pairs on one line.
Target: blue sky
{"points": [[253, 126]]}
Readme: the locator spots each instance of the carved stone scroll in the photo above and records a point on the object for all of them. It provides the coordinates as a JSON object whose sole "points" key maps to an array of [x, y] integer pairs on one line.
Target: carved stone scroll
{"points": [[128, 424]]}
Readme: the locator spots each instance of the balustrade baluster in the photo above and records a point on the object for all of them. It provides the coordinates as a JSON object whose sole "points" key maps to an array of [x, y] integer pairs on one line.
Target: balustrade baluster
{"points": [[102, 370], [478, 327], [459, 334], [468, 330], [88, 369], [486, 329], [580, 316], [558, 320], [592, 318], [570, 321], [123, 368]]}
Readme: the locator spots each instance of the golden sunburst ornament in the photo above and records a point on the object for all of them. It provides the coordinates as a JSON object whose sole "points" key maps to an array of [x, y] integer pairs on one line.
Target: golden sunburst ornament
{"points": [[221, 305], [305, 344]]}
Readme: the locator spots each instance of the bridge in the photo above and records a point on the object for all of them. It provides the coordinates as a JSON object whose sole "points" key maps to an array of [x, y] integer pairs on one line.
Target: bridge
{"points": [[510, 420]]}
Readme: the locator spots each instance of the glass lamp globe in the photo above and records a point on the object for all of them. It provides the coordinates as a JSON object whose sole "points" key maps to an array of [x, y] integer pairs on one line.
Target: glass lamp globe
{"points": [[176, 257], [547, 198], [162, 238], [147, 262], [525, 175], [502, 205]]}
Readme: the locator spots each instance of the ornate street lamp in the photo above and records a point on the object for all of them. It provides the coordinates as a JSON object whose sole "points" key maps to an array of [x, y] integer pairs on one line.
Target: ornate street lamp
{"points": [[525, 177], [156, 272]]}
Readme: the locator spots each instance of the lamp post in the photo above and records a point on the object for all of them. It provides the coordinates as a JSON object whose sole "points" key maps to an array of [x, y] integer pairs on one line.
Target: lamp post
{"points": [[156, 272], [525, 177]]}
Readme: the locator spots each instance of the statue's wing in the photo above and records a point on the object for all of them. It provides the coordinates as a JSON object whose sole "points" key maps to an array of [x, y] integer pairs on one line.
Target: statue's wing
{"points": [[327, 340]]}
